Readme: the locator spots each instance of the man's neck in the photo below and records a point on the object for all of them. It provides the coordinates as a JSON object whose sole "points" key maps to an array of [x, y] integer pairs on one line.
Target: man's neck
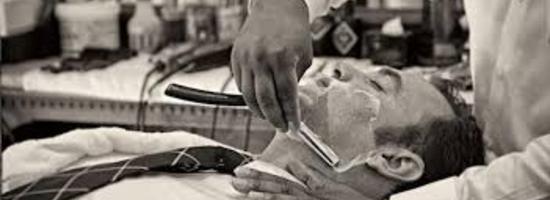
{"points": [[281, 155]]}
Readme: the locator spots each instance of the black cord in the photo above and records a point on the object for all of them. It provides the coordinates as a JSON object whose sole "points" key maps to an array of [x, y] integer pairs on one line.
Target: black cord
{"points": [[217, 107], [187, 61], [169, 74], [194, 55], [6, 131], [142, 104], [142, 107]]}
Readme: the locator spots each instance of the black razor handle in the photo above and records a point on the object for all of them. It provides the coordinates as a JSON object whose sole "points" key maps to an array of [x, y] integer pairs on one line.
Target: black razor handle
{"points": [[203, 96]]}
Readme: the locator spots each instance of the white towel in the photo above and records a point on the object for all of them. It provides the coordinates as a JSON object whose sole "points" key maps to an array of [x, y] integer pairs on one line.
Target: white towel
{"points": [[33, 159]]}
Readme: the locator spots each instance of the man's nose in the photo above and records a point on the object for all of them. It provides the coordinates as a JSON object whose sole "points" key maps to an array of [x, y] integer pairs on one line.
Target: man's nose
{"points": [[341, 73], [337, 73], [323, 81]]}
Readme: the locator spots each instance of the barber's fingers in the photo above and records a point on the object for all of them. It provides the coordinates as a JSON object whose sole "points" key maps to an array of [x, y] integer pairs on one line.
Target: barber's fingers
{"points": [[286, 83], [243, 67], [250, 174], [314, 180], [243, 172], [320, 185], [235, 66], [269, 196], [248, 90], [266, 96], [262, 186]]}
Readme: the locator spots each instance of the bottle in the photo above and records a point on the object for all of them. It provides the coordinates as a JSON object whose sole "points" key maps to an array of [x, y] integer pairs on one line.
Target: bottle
{"points": [[444, 21], [91, 24], [201, 23], [321, 33], [346, 36], [439, 23], [229, 19], [174, 17], [145, 29]]}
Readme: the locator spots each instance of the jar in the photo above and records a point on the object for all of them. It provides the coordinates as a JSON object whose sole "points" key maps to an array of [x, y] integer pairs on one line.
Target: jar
{"points": [[145, 30], [88, 24]]}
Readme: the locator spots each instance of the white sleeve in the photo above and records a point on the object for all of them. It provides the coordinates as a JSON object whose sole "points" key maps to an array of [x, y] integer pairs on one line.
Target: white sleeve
{"points": [[522, 175], [319, 8]]}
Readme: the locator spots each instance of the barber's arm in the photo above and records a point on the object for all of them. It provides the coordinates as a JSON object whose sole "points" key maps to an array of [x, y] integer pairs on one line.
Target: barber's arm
{"points": [[522, 175], [271, 54]]}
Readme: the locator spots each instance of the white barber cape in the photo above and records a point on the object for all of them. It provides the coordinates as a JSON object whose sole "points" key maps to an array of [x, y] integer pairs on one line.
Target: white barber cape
{"points": [[510, 52]]}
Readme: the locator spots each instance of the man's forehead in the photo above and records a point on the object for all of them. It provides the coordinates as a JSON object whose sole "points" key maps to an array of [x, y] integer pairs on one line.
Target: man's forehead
{"points": [[370, 69], [376, 69]]}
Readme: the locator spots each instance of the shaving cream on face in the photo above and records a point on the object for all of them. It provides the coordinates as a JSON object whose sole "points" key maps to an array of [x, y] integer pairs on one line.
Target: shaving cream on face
{"points": [[341, 114], [344, 124], [351, 144]]}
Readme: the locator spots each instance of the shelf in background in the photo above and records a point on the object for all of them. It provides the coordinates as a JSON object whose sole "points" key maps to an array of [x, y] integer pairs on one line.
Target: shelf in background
{"points": [[379, 16]]}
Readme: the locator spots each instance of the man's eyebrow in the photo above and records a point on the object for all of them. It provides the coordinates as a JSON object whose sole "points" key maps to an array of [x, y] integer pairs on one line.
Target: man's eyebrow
{"points": [[395, 76]]}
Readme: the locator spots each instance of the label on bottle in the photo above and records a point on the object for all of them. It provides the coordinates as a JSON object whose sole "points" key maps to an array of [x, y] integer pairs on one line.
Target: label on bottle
{"points": [[230, 20], [344, 38]]}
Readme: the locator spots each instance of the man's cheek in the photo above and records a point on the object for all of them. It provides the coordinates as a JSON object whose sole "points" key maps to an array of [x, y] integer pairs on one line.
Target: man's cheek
{"points": [[352, 108], [316, 116], [349, 123]]}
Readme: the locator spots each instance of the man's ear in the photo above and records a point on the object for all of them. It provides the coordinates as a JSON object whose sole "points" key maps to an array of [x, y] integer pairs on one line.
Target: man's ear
{"points": [[397, 163]]}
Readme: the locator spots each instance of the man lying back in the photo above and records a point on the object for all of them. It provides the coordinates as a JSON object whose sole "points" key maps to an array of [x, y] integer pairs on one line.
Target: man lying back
{"points": [[418, 134], [410, 132]]}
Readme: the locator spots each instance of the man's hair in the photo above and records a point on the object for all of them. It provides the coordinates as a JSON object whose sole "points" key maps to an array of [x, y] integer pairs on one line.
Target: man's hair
{"points": [[447, 146]]}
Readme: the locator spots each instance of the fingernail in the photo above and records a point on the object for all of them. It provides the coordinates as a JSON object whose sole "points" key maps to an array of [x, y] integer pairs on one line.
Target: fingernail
{"points": [[292, 131], [243, 185], [286, 126], [292, 127], [260, 195], [240, 185], [284, 129]]}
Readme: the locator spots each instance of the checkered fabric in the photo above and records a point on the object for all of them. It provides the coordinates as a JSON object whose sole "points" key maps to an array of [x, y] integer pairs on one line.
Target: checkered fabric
{"points": [[76, 182]]}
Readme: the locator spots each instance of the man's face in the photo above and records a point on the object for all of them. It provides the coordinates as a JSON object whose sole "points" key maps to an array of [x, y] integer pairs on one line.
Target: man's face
{"points": [[344, 104]]}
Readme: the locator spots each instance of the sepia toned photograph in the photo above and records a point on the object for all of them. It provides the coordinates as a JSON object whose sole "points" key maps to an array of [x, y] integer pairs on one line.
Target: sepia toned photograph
{"points": [[275, 99]]}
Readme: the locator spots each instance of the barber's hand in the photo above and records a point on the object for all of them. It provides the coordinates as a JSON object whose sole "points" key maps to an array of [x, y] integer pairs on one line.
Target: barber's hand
{"points": [[260, 185], [270, 55]]}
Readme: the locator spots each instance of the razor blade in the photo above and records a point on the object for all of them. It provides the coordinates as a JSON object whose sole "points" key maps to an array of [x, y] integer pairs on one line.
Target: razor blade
{"points": [[319, 147]]}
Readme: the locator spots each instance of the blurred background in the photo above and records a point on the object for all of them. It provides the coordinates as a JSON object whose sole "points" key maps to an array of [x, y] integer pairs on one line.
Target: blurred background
{"points": [[88, 63]]}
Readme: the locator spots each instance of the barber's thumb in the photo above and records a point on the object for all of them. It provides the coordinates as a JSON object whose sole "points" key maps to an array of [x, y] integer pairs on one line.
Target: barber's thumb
{"points": [[293, 129], [242, 185], [301, 172]]}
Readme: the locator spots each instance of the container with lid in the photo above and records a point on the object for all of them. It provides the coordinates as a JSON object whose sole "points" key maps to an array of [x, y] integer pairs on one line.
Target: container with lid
{"points": [[145, 29], [88, 24]]}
